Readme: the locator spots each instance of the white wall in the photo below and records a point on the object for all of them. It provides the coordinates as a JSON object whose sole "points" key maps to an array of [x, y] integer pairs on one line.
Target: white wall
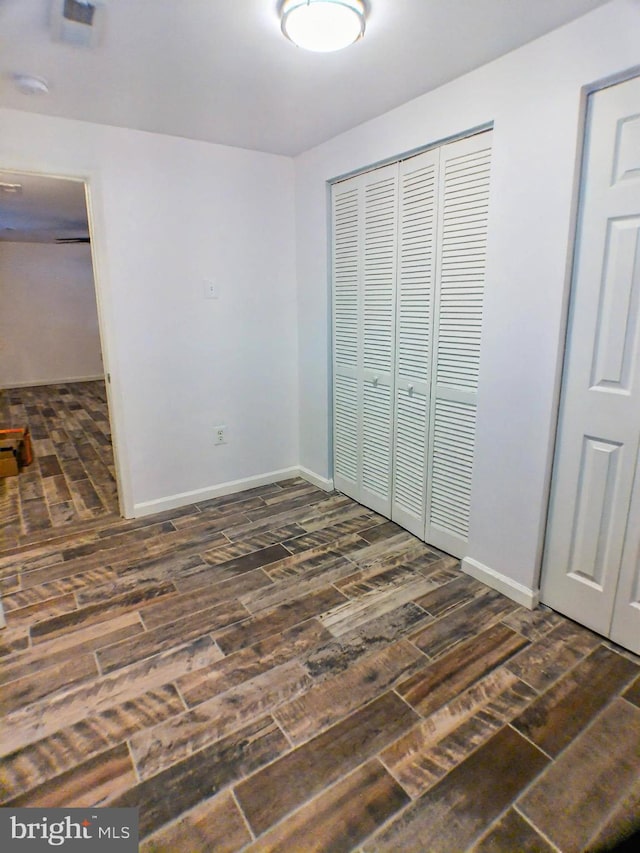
{"points": [[168, 213], [534, 98], [49, 320]]}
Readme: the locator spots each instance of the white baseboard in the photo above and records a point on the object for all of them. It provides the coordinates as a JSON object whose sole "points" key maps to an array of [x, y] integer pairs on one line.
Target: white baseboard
{"points": [[507, 586], [197, 495], [315, 479], [36, 383]]}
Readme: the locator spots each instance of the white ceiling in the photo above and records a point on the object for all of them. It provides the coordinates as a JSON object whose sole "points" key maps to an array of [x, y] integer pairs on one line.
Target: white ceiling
{"points": [[44, 210], [221, 71]]}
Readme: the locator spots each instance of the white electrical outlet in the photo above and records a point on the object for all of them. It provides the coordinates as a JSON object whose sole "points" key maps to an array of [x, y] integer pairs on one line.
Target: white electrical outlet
{"points": [[220, 435]]}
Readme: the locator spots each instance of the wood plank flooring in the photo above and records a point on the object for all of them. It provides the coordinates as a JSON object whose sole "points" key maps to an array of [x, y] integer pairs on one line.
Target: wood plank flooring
{"points": [[283, 669], [72, 477]]}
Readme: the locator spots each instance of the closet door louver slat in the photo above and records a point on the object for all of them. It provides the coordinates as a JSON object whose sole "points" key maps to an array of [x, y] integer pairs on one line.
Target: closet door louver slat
{"points": [[376, 446], [414, 321], [346, 429], [462, 221], [410, 475], [347, 264], [452, 465], [380, 190], [345, 272]]}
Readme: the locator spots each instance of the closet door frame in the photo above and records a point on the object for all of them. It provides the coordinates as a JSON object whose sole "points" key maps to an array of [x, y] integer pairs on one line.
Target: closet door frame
{"points": [[350, 383]]}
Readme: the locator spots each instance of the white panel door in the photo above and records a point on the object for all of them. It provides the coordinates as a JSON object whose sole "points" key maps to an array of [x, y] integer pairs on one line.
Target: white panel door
{"points": [[460, 275], [380, 227], [591, 560], [347, 401], [418, 189]]}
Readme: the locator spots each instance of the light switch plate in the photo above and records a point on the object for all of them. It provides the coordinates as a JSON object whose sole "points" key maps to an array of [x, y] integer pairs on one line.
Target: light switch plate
{"points": [[210, 289]]}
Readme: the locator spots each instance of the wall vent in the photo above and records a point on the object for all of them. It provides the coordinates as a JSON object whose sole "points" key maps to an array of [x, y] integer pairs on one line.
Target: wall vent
{"points": [[77, 22], [79, 12]]}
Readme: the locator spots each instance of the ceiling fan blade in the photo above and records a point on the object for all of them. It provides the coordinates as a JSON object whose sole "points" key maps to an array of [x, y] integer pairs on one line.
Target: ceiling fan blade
{"points": [[73, 239]]}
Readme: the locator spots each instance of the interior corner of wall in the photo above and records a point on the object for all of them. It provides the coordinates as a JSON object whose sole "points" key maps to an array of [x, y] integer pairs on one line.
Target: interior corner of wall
{"points": [[527, 597], [324, 483]]}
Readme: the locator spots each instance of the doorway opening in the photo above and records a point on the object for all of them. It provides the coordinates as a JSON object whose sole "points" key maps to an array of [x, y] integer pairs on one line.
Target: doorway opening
{"points": [[52, 378]]}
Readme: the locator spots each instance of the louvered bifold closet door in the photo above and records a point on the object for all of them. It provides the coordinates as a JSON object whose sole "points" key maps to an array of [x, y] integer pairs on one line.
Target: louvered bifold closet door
{"points": [[414, 323], [347, 357], [460, 274], [380, 202]]}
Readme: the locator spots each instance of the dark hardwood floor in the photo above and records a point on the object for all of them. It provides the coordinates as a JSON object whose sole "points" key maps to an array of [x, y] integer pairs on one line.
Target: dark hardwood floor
{"points": [[72, 477], [282, 669]]}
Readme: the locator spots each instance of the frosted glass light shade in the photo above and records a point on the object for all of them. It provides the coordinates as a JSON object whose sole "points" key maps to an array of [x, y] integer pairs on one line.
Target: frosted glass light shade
{"points": [[323, 25]]}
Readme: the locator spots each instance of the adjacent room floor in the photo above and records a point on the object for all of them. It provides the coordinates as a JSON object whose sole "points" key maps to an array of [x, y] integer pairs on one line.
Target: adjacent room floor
{"points": [[72, 477], [283, 669]]}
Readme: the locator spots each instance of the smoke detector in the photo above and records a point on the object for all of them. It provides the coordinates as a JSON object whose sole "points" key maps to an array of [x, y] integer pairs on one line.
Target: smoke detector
{"points": [[28, 84], [10, 189], [77, 22]]}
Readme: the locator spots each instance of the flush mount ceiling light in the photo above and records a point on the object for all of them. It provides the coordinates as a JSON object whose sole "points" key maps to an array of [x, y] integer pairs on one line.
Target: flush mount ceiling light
{"points": [[323, 25]]}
